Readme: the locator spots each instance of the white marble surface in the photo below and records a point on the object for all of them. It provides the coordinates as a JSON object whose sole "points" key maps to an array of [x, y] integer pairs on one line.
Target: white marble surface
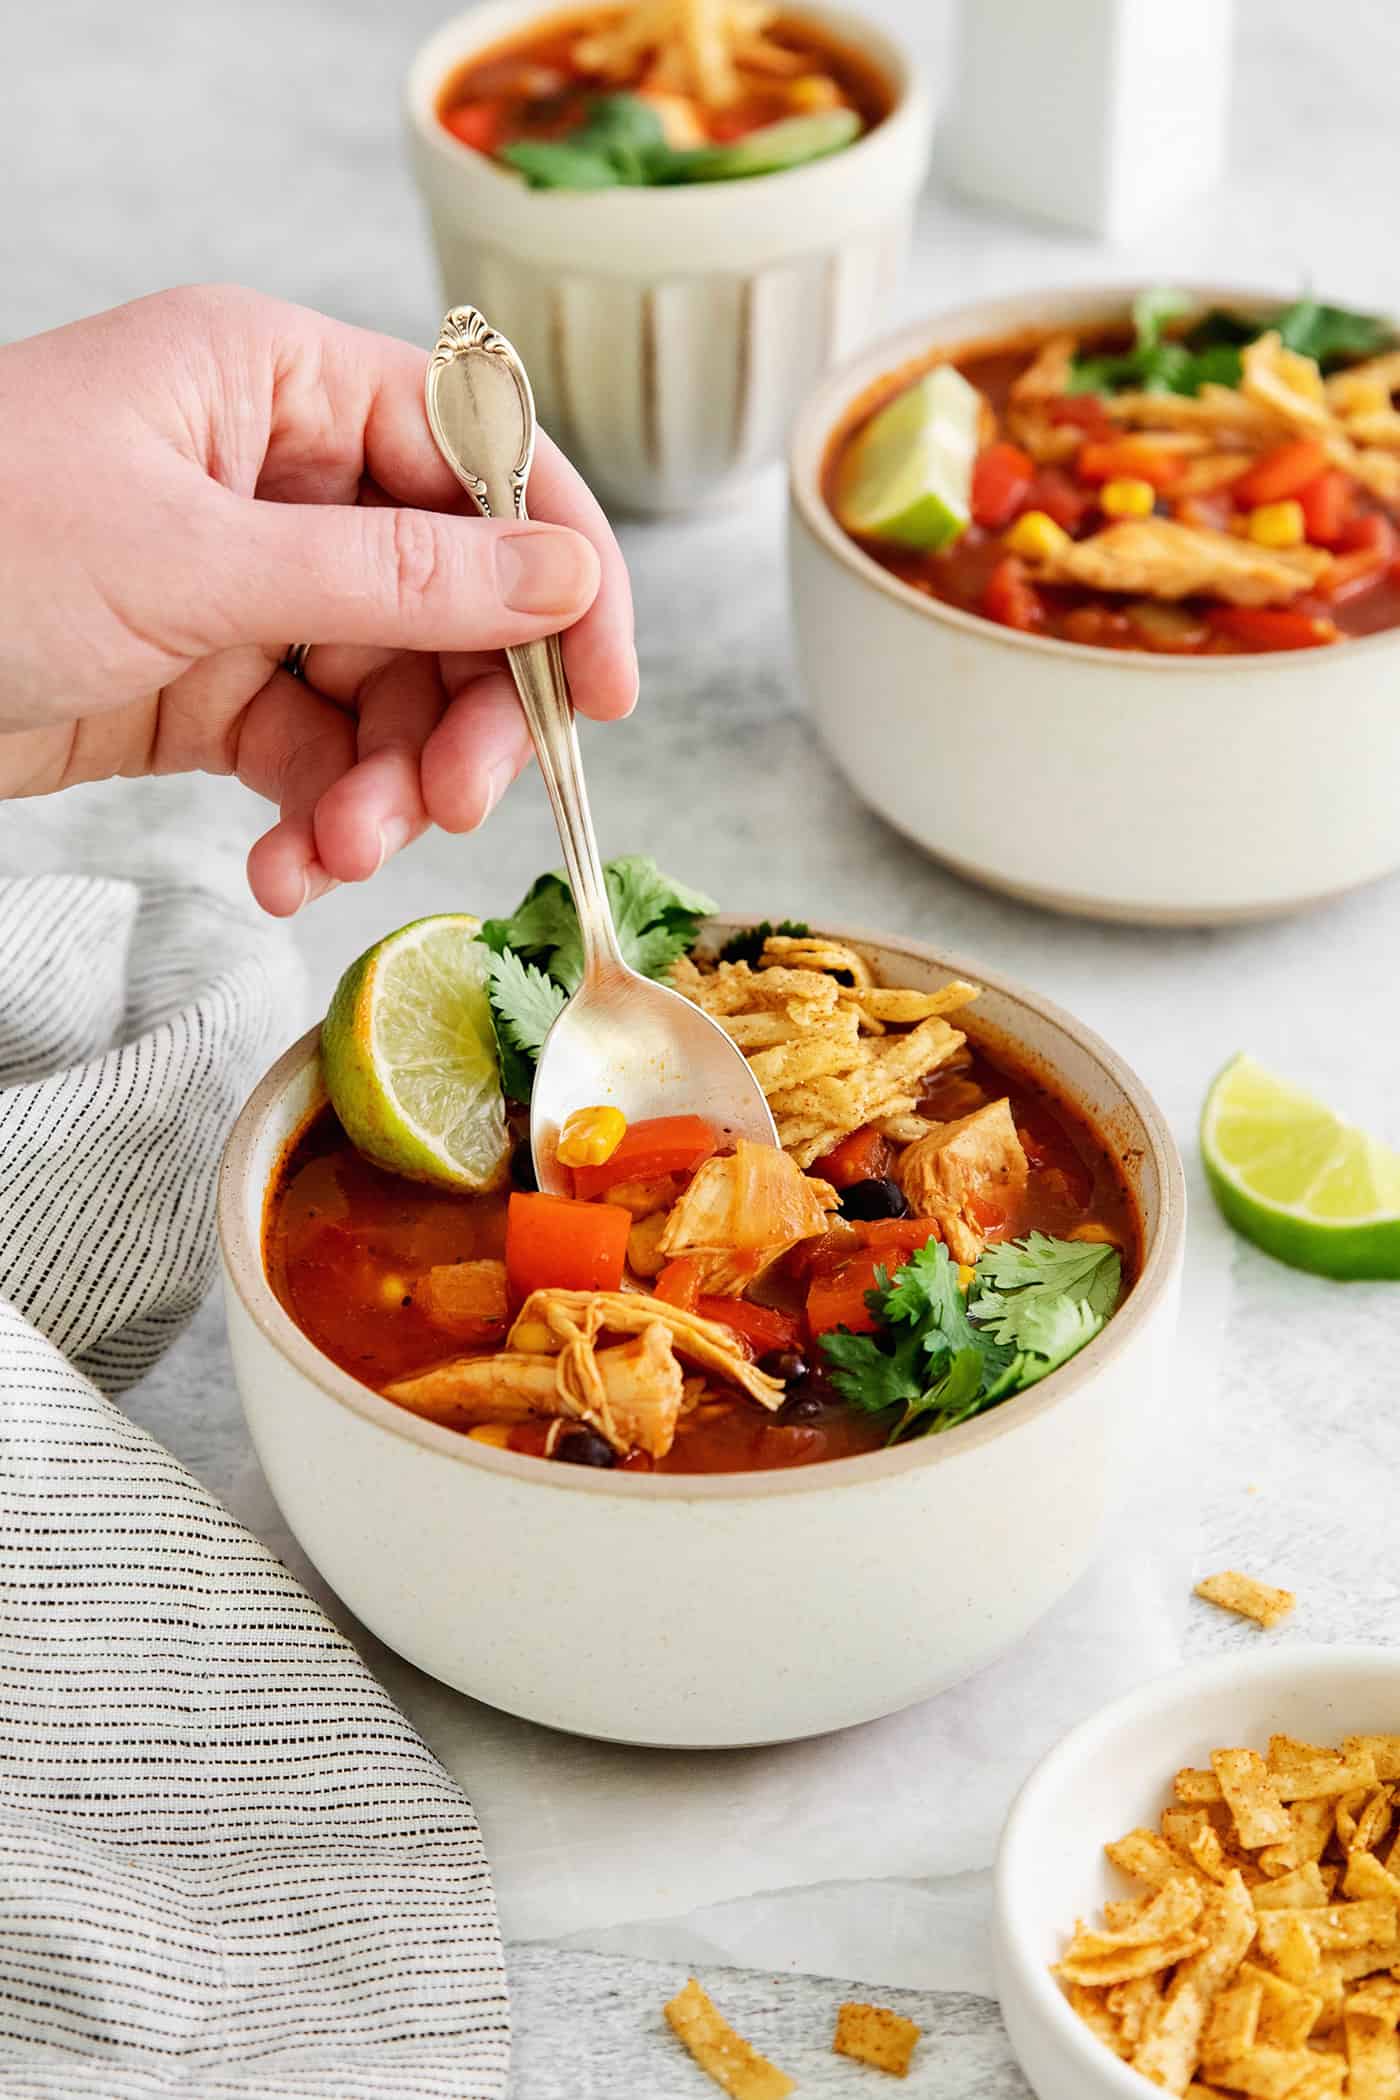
{"points": [[168, 142]]}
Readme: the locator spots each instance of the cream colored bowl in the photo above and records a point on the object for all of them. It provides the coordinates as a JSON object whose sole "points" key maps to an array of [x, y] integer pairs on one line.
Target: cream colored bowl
{"points": [[1172, 790], [670, 333], [1112, 1774], [728, 1609]]}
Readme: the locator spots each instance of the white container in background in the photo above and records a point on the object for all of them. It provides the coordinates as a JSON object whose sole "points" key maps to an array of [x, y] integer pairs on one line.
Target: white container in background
{"points": [[671, 333], [1102, 115]]}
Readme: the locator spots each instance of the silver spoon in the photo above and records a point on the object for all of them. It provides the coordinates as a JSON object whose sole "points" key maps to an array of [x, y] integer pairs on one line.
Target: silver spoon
{"points": [[622, 1039]]}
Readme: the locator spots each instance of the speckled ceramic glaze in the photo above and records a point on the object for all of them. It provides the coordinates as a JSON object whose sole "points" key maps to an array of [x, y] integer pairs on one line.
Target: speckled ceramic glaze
{"points": [[1105, 782], [720, 1610], [670, 333]]}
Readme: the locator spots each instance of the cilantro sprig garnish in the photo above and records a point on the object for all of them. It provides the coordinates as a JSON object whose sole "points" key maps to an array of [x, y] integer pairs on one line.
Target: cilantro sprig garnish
{"points": [[1159, 363], [942, 1353], [537, 953], [748, 946]]}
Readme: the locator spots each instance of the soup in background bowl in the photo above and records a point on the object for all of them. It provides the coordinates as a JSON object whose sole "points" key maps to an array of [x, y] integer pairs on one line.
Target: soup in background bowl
{"points": [[1169, 770]]}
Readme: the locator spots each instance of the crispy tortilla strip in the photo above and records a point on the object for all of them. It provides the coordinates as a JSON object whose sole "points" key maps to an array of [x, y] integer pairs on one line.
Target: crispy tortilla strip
{"points": [[1090, 2002], [1170, 2050], [1130, 1962], [1383, 1751], [1373, 2056], [1287, 2013], [1294, 1952], [1196, 1788], [1158, 558], [812, 952], [1363, 1819], [1303, 1889], [1167, 1913], [1144, 1854], [1286, 382], [1375, 380], [1260, 1817], [724, 2055], [1133, 2004], [1365, 1876], [1210, 1855], [874, 2036], [1233, 2026], [1325, 2080], [1048, 374], [1307, 1772], [1267, 2074], [1212, 470], [1335, 1927], [895, 1003], [1246, 1597], [1215, 412]]}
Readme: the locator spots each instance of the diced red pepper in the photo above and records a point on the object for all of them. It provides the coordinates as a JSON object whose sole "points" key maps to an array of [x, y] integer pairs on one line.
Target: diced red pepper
{"points": [[1327, 506], [477, 124], [863, 1156], [984, 1212], [679, 1283], [1131, 459], [893, 1240], [1286, 471], [560, 1242], [1371, 533], [1208, 512], [656, 1146], [1262, 627], [1086, 411], [760, 1326], [1011, 597], [1060, 497], [1096, 627], [838, 1300], [1000, 479]]}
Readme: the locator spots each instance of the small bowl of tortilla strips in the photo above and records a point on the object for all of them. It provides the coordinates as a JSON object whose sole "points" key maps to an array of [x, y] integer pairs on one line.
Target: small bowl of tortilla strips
{"points": [[1198, 1891], [1125, 567]]}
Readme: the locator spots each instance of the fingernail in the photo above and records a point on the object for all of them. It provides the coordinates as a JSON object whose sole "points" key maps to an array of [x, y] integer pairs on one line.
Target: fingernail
{"points": [[497, 781], [315, 882], [394, 832], [544, 572]]}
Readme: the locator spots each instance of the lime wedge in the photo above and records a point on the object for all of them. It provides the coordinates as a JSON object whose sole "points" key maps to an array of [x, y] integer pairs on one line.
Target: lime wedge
{"points": [[409, 1056], [907, 477], [772, 148], [1295, 1179]]}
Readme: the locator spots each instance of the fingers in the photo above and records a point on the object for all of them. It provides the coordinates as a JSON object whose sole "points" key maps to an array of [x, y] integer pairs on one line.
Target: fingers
{"points": [[600, 652], [477, 749], [392, 579], [377, 807], [292, 747]]}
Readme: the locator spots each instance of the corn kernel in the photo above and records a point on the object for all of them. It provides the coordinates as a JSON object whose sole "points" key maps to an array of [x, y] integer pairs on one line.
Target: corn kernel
{"points": [[1098, 1235], [965, 1275], [533, 1337], [1127, 498], [392, 1289], [813, 91], [590, 1136], [1036, 534], [1277, 524], [497, 1433]]}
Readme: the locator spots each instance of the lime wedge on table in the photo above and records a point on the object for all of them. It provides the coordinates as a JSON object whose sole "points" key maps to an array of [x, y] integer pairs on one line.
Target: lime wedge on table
{"points": [[907, 476], [409, 1055], [1298, 1181]]}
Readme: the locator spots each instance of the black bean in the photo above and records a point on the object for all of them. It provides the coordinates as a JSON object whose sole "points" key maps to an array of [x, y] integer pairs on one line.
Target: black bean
{"points": [[522, 1166], [867, 1200], [788, 1364], [802, 1405], [578, 1445]]}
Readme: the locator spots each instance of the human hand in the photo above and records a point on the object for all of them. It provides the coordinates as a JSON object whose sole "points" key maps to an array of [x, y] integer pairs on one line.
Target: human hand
{"points": [[195, 481]]}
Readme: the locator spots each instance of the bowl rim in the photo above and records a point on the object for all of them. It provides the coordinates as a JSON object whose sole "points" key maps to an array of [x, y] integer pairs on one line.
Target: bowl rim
{"points": [[827, 403], [1167, 1690], [455, 39], [244, 1270]]}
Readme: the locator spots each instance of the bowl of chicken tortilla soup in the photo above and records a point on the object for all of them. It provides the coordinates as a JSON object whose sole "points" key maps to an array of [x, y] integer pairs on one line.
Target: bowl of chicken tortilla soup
{"points": [[1097, 597], [736, 1444]]}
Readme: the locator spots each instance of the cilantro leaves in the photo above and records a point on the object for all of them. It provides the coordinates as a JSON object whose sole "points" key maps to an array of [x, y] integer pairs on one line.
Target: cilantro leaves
{"points": [[1210, 351], [621, 144], [538, 952], [942, 1354], [748, 946]]}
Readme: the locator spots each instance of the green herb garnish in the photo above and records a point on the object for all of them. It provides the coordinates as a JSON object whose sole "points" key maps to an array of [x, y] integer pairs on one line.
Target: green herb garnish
{"points": [[748, 946], [942, 1354], [1209, 352], [621, 144], [539, 952]]}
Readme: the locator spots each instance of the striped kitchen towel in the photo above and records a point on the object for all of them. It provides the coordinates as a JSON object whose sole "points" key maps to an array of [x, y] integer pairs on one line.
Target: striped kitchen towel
{"points": [[228, 1866]]}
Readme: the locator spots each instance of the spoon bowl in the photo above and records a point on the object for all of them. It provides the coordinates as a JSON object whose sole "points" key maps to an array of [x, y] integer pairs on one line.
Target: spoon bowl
{"points": [[622, 1041]]}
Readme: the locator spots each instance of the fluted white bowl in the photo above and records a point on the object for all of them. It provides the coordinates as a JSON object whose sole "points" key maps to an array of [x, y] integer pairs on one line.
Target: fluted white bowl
{"points": [[670, 333], [722, 1609]]}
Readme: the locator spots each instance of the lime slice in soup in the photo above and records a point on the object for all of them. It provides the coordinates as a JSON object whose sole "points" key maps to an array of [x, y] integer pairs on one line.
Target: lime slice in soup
{"points": [[409, 1056], [907, 477], [772, 148], [1295, 1179]]}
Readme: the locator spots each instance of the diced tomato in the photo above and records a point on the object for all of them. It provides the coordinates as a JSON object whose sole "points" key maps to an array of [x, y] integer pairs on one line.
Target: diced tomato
{"points": [[1000, 479], [477, 124], [839, 1300], [1060, 497], [679, 1283], [1209, 512], [1096, 626], [1011, 597], [863, 1156], [986, 1213], [1327, 505], [1371, 533], [759, 1325], [1131, 459], [1261, 627], [657, 1145], [1086, 411], [529, 1437], [1286, 471], [558, 1241], [893, 1240], [824, 1255], [1350, 576]]}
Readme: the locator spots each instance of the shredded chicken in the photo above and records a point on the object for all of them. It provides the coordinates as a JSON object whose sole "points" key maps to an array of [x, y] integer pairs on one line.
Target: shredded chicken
{"points": [[1158, 558], [630, 1393], [978, 1156], [742, 1213], [558, 1320], [1287, 383], [1367, 386], [1215, 413], [475, 1389], [1048, 373]]}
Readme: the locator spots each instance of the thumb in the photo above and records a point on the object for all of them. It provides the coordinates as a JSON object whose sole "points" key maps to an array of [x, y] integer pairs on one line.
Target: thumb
{"points": [[396, 579]]}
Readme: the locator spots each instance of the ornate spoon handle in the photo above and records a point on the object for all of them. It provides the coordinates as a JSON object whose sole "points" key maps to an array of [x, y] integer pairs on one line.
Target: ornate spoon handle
{"points": [[482, 414]]}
